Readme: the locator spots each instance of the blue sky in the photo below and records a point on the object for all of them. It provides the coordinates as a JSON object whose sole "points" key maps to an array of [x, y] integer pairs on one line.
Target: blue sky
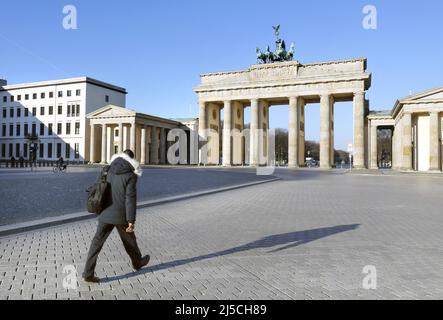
{"points": [[157, 49]]}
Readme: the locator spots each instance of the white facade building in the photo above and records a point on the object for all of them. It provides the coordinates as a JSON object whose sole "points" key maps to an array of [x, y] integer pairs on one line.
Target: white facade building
{"points": [[55, 112]]}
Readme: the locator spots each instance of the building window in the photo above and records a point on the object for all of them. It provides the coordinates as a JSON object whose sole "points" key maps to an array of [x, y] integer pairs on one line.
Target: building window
{"points": [[25, 150], [59, 128], [12, 98], [60, 109], [42, 95], [26, 96], [34, 111], [42, 151], [68, 110], [11, 112], [26, 129], [42, 111], [51, 110], [78, 92], [11, 146], [116, 133], [34, 129], [19, 112], [18, 130], [19, 98], [60, 94], [34, 96], [3, 150], [17, 150], [59, 150], [77, 111], [42, 129], [51, 94], [68, 128], [11, 130], [106, 98], [68, 93], [4, 113], [26, 112], [49, 150], [77, 128], [4, 130], [5, 99], [50, 129], [77, 150], [68, 151]]}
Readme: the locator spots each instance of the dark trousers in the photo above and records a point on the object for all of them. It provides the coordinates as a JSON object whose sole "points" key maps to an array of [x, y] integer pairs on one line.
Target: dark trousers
{"points": [[103, 232]]}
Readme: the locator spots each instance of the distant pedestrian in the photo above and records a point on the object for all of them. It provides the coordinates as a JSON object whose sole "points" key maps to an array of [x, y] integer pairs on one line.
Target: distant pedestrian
{"points": [[120, 212]]}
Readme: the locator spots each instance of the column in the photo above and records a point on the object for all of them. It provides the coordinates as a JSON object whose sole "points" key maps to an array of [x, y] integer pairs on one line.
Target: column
{"points": [[301, 133], [104, 139], [121, 137], [293, 131], [227, 130], [202, 126], [434, 143], [325, 132], [132, 138], [253, 145], [125, 137], [92, 144], [154, 146], [359, 130], [162, 146], [374, 154], [407, 142], [109, 148], [143, 145]]}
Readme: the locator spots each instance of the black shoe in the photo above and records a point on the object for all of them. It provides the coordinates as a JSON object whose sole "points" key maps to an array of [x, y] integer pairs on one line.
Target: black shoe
{"points": [[143, 262], [92, 279]]}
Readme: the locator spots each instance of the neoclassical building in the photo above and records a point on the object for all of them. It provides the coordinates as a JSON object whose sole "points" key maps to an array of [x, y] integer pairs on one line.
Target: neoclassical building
{"points": [[416, 125], [113, 129], [284, 83]]}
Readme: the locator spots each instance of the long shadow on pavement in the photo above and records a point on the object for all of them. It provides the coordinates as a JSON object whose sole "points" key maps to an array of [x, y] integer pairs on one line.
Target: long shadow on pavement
{"points": [[287, 240]]}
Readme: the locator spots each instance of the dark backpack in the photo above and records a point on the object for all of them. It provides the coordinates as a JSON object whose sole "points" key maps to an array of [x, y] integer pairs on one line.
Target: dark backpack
{"points": [[98, 193]]}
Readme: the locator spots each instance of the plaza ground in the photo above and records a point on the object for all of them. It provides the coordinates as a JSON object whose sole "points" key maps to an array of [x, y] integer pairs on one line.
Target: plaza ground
{"points": [[307, 236]]}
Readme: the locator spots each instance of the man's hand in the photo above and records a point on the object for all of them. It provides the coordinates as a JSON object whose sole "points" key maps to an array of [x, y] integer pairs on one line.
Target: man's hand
{"points": [[130, 228]]}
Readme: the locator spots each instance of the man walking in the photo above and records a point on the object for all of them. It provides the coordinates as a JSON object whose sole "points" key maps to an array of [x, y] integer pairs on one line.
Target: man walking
{"points": [[119, 213]]}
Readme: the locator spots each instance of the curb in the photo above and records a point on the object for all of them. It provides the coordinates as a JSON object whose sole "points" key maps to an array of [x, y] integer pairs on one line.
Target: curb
{"points": [[81, 216]]}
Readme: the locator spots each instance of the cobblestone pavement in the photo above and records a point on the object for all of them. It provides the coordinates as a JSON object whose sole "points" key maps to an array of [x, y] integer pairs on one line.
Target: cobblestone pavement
{"points": [[308, 236], [27, 196]]}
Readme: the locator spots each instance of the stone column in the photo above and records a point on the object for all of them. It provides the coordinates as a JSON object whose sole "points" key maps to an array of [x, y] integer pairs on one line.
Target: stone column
{"points": [[301, 133], [154, 146], [120, 139], [359, 130], [132, 138], [253, 145], [374, 154], [407, 142], [227, 130], [202, 126], [143, 145], [294, 132], [109, 150], [325, 132], [125, 137], [162, 146], [104, 140], [434, 143], [92, 144]]}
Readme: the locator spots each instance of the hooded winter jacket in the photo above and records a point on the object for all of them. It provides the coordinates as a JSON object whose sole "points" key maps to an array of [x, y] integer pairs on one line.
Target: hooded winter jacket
{"points": [[121, 200]]}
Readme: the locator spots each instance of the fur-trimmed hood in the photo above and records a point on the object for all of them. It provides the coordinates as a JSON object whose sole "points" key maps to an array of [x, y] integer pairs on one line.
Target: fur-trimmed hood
{"points": [[118, 166]]}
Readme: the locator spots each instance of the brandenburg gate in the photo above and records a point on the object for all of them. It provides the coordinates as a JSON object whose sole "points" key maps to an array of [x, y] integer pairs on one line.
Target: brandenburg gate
{"points": [[283, 83]]}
